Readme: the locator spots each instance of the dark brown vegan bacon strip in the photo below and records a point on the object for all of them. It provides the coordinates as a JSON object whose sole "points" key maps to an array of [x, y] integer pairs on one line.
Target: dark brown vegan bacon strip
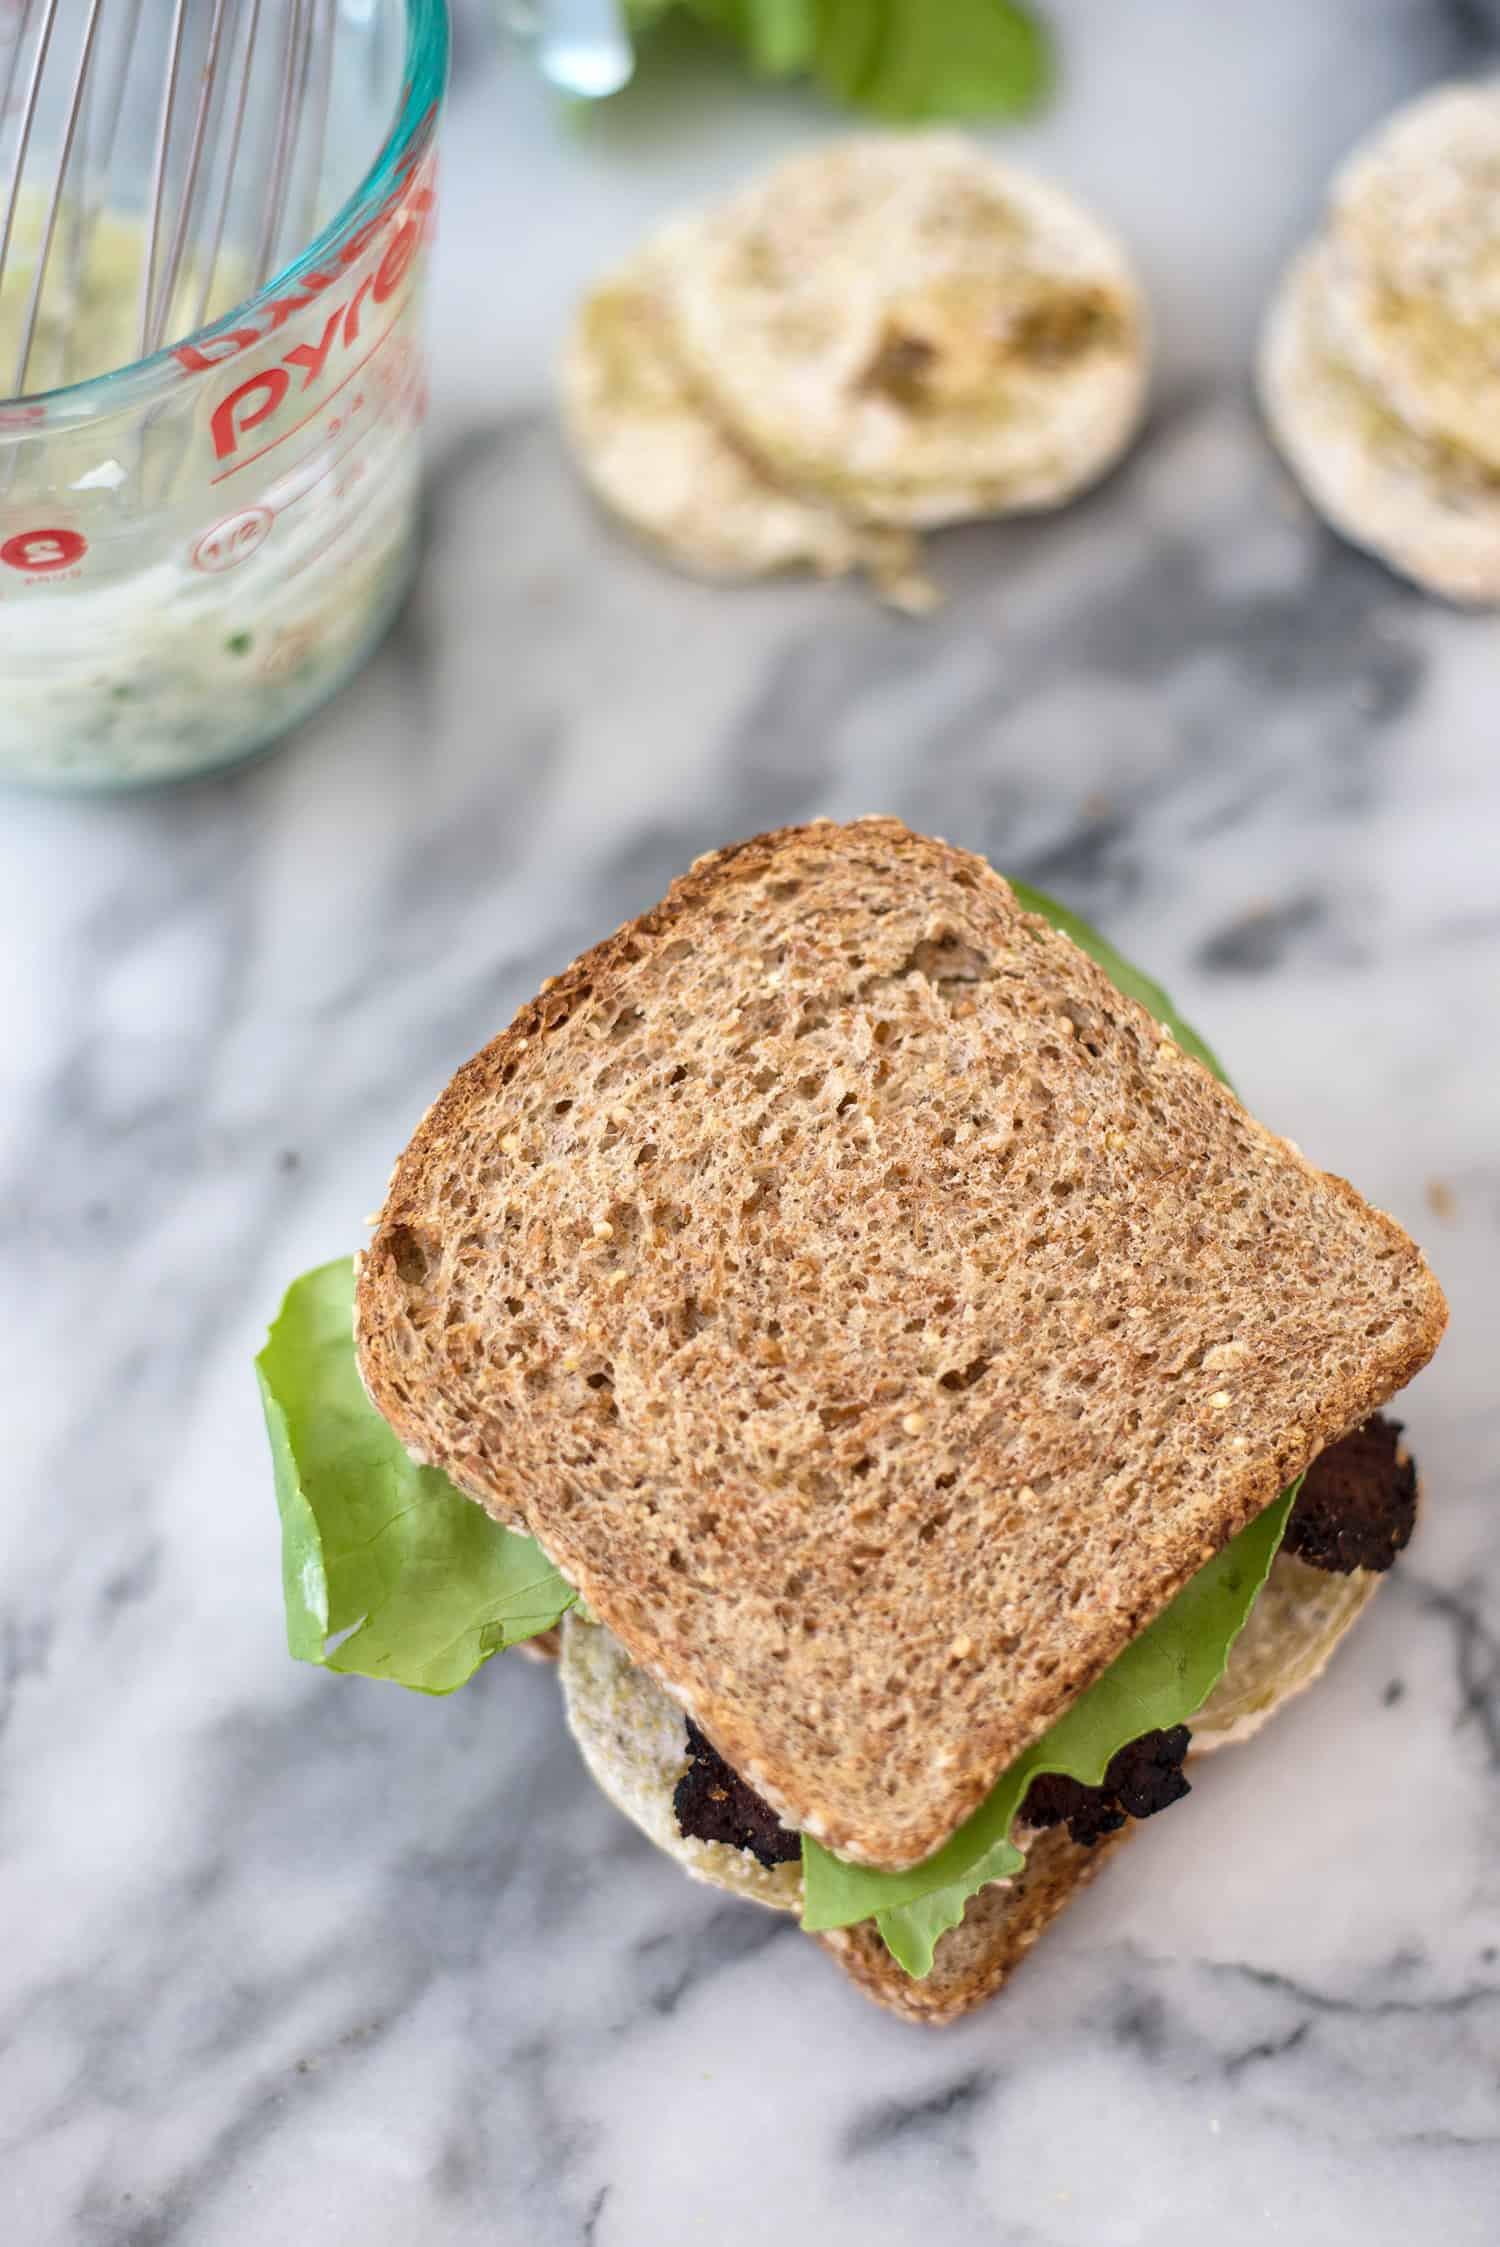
{"points": [[1358, 1501]]}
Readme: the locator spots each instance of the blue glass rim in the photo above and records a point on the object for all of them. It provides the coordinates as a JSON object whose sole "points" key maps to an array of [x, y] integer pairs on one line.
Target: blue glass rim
{"points": [[142, 381]]}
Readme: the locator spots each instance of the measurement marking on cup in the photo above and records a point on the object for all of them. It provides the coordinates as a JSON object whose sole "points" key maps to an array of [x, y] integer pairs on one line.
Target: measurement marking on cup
{"points": [[312, 414], [366, 430], [336, 537], [224, 545], [237, 537], [39, 553]]}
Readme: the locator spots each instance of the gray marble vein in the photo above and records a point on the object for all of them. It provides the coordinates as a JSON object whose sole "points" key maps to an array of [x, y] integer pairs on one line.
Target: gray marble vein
{"points": [[293, 1956]]}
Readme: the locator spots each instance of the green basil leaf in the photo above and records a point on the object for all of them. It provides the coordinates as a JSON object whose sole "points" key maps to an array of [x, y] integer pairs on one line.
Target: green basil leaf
{"points": [[910, 59], [901, 59], [387, 1569], [778, 36]]}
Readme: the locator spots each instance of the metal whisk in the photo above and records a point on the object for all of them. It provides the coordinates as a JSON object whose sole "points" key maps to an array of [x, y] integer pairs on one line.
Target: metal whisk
{"points": [[199, 123]]}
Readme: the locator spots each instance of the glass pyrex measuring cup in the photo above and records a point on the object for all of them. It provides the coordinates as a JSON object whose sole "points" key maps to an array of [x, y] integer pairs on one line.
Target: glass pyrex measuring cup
{"points": [[197, 548]]}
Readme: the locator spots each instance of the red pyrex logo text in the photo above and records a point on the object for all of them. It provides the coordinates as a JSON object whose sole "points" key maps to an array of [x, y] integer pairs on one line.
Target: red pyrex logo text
{"points": [[255, 401]]}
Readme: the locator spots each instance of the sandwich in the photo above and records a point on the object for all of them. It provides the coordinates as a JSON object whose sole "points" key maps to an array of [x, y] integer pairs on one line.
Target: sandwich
{"points": [[850, 1322]]}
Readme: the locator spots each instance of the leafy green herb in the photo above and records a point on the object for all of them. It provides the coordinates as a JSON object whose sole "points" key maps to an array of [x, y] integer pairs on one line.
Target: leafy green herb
{"points": [[779, 36], [900, 59], [387, 1569], [1160, 1680], [906, 59]]}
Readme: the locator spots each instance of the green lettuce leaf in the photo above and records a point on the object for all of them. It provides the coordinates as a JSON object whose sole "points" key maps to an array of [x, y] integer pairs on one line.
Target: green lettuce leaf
{"points": [[1160, 1680], [778, 36], [903, 59], [387, 1570], [909, 59]]}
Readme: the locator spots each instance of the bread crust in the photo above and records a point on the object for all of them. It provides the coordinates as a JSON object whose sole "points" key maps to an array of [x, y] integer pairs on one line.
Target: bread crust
{"points": [[985, 1613], [975, 1959]]}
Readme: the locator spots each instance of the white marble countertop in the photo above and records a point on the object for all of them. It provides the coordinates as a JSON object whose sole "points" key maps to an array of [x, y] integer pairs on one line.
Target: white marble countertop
{"points": [[290, 1956]]}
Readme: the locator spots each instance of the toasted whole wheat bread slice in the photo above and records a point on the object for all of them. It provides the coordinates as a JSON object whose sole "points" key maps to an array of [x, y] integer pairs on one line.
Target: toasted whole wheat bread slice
{"points": [[872, 1312]]}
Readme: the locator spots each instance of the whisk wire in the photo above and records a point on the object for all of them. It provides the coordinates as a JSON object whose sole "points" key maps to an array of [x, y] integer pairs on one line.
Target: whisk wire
{"points": [[231, 159], [317, 115], [14, 52], [54, 204], [192, 131], [29, 101], [208, 81], [76, 220], [158, 192], [114, 106], [286, 141]]}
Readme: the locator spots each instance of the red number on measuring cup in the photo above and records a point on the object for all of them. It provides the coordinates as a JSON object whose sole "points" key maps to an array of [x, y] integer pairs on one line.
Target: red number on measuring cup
{"points": [[234, 540], [40, 551]]}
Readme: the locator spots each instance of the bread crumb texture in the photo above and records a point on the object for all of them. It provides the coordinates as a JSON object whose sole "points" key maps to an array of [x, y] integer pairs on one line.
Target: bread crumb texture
{"points": [[921, 1237]]}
